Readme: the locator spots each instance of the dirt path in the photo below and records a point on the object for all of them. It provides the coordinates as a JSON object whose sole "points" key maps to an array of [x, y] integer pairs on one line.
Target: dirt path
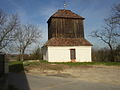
{"points": [[105, 74], [37, 82], [93, 73]]}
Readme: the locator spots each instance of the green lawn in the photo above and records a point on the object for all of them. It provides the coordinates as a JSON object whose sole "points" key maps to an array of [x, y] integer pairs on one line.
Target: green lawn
{"points": [[66, 63], [18, 66], [91, 63]]}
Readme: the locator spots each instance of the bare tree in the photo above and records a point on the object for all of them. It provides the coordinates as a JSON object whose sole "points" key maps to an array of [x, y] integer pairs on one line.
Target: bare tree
{"points": [[111, 31], [8, 25], [107, 35], [116, 18], [37, 53], [25, 36]]}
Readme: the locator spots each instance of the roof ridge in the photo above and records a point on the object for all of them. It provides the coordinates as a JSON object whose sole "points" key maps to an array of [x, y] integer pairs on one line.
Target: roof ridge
{"points": [[63, 13]]}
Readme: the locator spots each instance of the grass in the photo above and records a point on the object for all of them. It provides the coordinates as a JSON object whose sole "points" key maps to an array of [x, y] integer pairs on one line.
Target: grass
{"points": [[15, 62], [89, 63], [66, 63], [112, 63], [31, 63], [18, 66]]}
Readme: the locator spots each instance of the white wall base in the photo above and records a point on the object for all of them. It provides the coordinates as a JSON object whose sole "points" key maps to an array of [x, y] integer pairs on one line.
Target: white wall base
{"points": [[62, 53]]}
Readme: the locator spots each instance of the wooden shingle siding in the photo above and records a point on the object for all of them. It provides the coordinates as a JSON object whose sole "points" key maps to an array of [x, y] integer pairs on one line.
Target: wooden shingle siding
{"points": [[65, 24], [65, 28]]}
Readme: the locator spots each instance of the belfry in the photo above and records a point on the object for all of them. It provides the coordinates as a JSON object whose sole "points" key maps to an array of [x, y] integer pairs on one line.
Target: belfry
{"points": [[66, 40]]}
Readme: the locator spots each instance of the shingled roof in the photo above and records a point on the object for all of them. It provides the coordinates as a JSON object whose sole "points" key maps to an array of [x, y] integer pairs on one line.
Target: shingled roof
{"points": [[66, 14], [67, 42]]}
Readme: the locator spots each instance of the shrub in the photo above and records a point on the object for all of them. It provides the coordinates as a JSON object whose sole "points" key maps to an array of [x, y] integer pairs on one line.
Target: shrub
{"points": [[16, 66]]}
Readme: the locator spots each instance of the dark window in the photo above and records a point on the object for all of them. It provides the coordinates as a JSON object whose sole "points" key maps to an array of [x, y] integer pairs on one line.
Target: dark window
{"points": [[72, 54]]}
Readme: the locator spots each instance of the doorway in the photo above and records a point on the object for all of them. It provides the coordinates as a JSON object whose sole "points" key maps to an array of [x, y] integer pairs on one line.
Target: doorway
{"points": [[72, 54]]}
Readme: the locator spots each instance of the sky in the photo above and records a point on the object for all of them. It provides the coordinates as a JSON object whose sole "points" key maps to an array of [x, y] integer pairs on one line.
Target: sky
{"points": [[37, 12]]}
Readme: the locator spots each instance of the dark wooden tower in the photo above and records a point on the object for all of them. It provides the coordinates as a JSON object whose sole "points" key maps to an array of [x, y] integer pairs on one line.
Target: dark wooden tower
{"points": [[65, 24]]}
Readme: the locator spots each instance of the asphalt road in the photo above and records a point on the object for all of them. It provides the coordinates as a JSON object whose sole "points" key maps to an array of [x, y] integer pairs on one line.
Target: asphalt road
{"points": [[35, 82]]}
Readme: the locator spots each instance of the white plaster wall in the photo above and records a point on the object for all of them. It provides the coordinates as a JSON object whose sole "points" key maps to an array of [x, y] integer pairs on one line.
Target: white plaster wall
{"points": [[62, 54], [59, 54], [83, 54]]}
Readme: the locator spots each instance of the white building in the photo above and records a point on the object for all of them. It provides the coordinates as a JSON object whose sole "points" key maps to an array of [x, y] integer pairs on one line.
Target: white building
{"points": [[66, 41]]}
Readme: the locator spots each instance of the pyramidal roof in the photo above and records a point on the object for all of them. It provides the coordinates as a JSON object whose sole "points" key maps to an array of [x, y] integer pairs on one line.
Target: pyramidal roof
{"points": [[67, 42], [63, 13]]}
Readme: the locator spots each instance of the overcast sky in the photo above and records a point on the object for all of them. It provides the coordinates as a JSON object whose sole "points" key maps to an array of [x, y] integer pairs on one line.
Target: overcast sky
{"points": [[38, 11]]}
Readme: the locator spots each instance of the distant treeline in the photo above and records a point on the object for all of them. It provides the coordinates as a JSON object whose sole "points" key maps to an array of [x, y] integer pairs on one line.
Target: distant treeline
{"points": [[35, 55], [104, 55]]}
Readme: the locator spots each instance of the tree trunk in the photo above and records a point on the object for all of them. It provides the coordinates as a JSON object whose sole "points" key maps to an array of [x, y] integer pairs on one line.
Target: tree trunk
{"points": [[22, 55], [111, 54]]}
